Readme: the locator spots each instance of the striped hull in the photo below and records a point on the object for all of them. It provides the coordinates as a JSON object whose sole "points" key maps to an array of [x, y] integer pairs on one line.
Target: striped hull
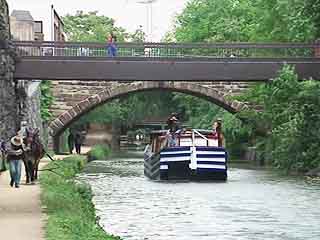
{"points": [[195, 163]]}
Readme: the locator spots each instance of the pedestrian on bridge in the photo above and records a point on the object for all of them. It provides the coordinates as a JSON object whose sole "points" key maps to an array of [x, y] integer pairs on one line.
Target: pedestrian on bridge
{"points": [[112, 47]]}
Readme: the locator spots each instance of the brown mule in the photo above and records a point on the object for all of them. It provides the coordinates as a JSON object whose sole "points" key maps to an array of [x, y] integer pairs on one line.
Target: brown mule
{"points": [[34, 151]]}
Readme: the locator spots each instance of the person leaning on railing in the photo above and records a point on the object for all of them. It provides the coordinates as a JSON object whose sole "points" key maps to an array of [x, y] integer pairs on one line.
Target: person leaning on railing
{"points": [[217, 132], [112, 47]]}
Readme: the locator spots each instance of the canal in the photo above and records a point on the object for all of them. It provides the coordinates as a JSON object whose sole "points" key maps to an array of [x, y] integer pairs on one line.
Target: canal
{"points": [[252, 204]]}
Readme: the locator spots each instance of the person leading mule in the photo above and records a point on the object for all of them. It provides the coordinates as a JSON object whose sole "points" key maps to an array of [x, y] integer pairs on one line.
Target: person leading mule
{"points": [[15, 156]]}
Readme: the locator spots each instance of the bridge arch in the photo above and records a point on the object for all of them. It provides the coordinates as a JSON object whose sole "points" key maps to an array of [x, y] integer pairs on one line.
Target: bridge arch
{"points": [[64, 120]]}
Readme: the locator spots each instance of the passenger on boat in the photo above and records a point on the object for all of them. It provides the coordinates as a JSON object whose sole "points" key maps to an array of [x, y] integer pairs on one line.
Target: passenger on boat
{"points": [[217, 132], [173, 132]]}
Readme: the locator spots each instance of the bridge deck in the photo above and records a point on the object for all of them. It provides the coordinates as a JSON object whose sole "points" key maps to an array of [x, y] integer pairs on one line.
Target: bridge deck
{"points": [[164, 62]]}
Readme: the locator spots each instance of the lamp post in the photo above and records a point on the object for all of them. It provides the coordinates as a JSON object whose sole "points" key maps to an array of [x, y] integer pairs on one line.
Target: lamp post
{"points": [[149, 29]]}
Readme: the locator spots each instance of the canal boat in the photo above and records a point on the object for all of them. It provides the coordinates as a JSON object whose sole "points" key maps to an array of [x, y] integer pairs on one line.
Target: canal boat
{"points": [[195, 156]]}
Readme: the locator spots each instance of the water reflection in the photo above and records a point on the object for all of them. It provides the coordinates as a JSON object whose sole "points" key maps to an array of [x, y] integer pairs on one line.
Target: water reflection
{"points": [[250, 205]]}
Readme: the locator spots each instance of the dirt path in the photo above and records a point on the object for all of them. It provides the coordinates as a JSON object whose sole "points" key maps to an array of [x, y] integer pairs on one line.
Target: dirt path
{"points": [[21, 217]]}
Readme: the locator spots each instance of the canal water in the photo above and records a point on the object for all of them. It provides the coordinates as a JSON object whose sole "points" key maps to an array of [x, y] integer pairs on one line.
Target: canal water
{"points": [[252, 204]]}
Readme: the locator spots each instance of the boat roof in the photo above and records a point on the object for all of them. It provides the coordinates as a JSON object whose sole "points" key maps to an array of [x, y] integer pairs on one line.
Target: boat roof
{"points": [[162, 132]]}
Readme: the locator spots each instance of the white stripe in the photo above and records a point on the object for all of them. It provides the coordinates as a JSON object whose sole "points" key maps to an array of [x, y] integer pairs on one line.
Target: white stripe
{"points": [[211, 166], [169, 153], [174, 159], [212, 159], [164, 167], [210, 152]]}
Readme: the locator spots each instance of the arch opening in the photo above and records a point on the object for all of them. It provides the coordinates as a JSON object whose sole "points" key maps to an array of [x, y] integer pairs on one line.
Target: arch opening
{"points": [[210, 94]]}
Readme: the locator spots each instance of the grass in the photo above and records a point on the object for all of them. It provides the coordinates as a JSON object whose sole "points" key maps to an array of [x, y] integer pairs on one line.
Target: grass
{"points": [[71, 214], [99, 152]]}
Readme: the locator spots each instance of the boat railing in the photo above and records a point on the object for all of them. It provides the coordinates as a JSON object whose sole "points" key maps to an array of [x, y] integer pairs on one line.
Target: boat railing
{"points": [[199, 134]]}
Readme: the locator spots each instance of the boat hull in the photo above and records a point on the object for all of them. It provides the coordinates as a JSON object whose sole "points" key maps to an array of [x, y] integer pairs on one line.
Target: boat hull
{"points": [[188, 163]]}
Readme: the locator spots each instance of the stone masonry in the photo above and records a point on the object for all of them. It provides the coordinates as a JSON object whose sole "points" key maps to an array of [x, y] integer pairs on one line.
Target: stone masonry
{"points": [[8, 106], [68, 93], [74, 99]]}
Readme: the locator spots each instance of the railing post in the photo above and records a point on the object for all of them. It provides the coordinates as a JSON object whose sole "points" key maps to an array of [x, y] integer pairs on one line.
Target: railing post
{"points": [[317, 48]]}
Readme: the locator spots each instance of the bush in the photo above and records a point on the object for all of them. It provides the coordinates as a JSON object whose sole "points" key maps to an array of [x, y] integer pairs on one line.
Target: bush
{"points": [[99, 152], [287, 131]]}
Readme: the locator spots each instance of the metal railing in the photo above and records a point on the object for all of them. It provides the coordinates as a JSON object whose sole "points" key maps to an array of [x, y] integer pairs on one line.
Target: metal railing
{"points": [[170, 50]]}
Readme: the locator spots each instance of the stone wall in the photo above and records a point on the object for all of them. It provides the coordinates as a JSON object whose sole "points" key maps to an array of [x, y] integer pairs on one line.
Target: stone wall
{"points": [[69, 93], [22, 28], [8, 106], [32, 111]]}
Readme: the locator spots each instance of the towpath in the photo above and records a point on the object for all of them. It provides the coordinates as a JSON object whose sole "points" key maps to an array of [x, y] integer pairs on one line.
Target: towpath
{"points": [[21, 215]]}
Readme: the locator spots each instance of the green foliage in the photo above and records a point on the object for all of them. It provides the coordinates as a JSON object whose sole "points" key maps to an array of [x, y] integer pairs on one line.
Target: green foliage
{"points": [[256, 21], [132, 109], [249, 20], [287, 130], [99, 152], [215, 20], [138, 36], [71, 214], [91, 27], [46, 100]]}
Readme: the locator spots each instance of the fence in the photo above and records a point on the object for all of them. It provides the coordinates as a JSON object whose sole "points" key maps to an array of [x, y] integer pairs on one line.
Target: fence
{"points": [[170, 50]]}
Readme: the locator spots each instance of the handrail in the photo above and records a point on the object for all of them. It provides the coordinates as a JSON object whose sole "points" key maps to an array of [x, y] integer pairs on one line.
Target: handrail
{"points": [[241, 45], [169, 50], [200, 135]]}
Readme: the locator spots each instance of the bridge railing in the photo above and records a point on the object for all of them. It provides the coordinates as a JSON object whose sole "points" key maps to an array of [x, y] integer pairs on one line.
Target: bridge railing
{"points": [[170, 50]]}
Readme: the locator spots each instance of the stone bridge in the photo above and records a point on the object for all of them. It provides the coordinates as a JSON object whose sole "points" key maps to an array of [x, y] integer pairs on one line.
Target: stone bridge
{"points": [[210, 71], [75, 98]]}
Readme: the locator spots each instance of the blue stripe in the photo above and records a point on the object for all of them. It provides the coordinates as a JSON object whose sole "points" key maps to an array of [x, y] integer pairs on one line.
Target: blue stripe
{"points": [[211, 155], [211, 163], [163, 163], [211, 149], [170, 162], [175, 149], [210, 170], [175, 155]]}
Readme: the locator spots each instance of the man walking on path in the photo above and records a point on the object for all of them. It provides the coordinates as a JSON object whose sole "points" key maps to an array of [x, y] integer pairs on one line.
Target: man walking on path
{"points": [[78, 140], [14, 158]]}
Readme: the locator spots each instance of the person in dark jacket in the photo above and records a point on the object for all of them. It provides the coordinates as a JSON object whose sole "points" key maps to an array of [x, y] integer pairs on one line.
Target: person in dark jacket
{"points": [[14, 158], [71, 142], [78, 141]]}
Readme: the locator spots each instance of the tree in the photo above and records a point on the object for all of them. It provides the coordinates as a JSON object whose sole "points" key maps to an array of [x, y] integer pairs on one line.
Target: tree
{"points": [[138, 36], [91, 27]]}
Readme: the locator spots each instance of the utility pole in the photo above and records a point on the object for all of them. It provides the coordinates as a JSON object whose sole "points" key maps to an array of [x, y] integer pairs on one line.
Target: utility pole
{"points": [[149, 26]]}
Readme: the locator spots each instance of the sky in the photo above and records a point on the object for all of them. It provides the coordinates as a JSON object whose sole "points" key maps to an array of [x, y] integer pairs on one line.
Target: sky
{"points": [[128, 14]]}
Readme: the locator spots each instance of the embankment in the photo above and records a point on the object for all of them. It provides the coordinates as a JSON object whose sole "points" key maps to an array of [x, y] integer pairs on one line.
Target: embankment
{"points": [[71, 214]]}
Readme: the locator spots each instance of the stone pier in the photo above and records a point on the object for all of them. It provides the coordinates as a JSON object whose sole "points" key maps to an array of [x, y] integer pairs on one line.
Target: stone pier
{"points": [[8, 103]]}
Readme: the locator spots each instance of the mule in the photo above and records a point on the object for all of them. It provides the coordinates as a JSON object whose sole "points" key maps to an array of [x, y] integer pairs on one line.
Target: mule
{"points": [[33, 152]]}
